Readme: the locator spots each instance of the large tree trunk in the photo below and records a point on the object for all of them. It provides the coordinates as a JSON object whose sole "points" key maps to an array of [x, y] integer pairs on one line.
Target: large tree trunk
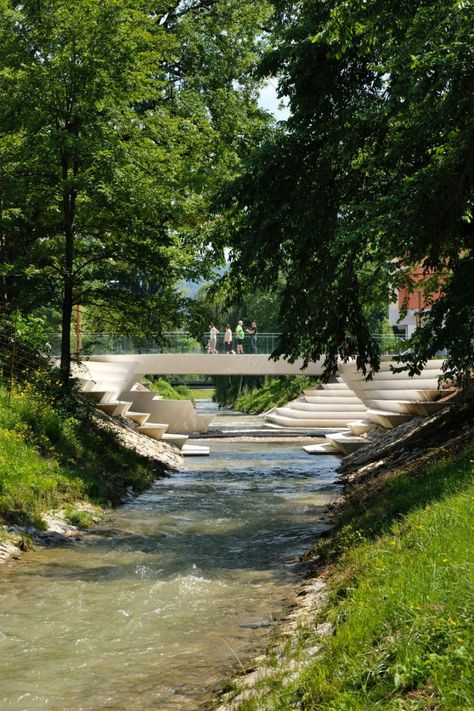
{"points": [[65, 366], [69, 212]]}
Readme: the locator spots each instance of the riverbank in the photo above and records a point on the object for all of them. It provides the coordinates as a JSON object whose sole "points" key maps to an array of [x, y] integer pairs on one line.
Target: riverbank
{"points": [[61, 470], [385, 617], [153, 606]]}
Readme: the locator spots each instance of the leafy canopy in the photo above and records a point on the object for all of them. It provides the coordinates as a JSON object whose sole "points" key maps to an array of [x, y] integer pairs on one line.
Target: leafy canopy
{"points": [[117, 120], [370, 178]]}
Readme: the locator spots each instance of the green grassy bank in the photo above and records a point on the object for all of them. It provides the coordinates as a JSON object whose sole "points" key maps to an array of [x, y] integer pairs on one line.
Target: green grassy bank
{"points": [[53, 455], [401, 603], [178, 392], [256, 395]]}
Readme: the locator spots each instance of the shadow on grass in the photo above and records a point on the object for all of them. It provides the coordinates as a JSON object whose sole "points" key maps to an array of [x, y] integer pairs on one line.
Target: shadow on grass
{"points": [[373, 506]]}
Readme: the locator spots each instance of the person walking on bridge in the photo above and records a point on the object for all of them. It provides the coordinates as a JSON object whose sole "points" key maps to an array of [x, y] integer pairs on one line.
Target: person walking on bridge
{"points": [[213, 331], [252, 331], [239, 337], [228, 339]]}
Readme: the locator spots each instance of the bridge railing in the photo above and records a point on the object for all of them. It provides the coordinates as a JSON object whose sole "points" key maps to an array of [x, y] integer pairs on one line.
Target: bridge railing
{"points": [[182, 342], [266, 343], [177, 342], [390, 344]]}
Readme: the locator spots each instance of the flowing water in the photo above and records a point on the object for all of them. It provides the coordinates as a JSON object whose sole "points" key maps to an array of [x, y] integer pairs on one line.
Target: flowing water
{"points": [[170, 595]]}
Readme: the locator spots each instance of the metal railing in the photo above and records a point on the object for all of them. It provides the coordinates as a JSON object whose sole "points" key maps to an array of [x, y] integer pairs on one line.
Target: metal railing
{"points": [[390, 344], [181, 342]]}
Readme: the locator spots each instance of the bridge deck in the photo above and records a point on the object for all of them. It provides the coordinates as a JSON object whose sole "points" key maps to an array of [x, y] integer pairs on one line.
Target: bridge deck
{"points": [[210, 364]]}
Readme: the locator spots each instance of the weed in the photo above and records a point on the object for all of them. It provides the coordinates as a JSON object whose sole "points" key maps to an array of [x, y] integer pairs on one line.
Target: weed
{"points": [[79, 518]]}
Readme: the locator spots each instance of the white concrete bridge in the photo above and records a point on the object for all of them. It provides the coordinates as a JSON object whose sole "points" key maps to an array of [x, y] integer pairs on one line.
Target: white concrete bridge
{"points": [[208, 364]]}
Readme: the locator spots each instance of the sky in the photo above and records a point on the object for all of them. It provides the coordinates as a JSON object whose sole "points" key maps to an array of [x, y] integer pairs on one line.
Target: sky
{"points": [[269, 101]]}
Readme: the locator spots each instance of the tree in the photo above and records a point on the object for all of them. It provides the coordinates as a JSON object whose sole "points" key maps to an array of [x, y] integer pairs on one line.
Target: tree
{"points": [[371, 177], [111, 156]]}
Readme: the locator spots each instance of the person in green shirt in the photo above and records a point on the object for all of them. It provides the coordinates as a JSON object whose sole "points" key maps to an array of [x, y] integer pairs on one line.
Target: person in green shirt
{"points": [[239, 337]]}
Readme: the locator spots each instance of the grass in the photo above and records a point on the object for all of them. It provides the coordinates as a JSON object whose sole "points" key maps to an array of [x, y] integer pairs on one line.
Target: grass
{"points": [[274, 392], [170, 392], [79, 518], [49, 459], [202, 393], [401, 602]]}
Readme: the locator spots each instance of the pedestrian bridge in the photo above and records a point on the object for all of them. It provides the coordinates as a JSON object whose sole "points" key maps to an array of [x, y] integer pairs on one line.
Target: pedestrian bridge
{"points": [[207, 364], [184, 354]]}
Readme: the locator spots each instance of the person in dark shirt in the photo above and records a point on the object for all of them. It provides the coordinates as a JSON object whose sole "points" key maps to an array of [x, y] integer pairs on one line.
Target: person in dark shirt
{"points": [[252, 331]]}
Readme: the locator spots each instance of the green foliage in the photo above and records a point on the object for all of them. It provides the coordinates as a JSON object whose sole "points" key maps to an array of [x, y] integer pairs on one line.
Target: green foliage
{"points": [[49, 458], [370, 178], [202, 393], [134, 112], [167, 391], [255, 395], [79, 518], [29, 483], [217, 303]]}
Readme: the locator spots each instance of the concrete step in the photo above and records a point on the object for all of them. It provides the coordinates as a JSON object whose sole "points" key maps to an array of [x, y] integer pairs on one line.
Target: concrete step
{"points": [[310, 423], [100, 395], [155, 430], [422, 409], [84, 384], [409, 407], [293, 430], [337, 400], [359, 427], [178, 440], [325, 448], [386, 418], [139, 417], [346, 443], [335, 386], [194, 450], [114, 408], [394, 387], [320, 414], [325, 407]]}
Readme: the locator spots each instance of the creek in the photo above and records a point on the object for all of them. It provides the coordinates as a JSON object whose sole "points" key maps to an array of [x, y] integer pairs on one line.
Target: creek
{"points": [[169, 596]]}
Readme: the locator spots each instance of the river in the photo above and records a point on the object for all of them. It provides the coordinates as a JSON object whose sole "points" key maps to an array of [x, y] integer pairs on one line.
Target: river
{"points": [[173, 593]]}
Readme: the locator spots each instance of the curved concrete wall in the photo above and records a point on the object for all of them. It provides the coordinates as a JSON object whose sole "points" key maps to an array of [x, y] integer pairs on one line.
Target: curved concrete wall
{"points": [[330, 406], [393, 398], [179, 415]]}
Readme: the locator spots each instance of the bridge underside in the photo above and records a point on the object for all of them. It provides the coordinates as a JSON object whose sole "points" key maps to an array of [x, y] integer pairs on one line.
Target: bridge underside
{"points": [[210, 364]]}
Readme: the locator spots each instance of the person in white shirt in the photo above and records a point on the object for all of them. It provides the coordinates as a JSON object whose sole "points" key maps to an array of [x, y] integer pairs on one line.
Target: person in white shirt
{"points": [[228, 339], [213, 331]]}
